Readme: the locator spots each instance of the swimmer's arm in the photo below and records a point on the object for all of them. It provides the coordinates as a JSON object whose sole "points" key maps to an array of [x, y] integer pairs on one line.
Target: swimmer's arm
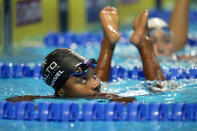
{"points": [[110, 20], [151, 67], [141, 40], [179, 23], [104, 61], [27, 98]]}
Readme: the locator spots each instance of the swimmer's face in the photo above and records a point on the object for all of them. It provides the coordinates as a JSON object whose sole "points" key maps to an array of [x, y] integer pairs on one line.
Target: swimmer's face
{"points": [[86, 85], [162, 43]]}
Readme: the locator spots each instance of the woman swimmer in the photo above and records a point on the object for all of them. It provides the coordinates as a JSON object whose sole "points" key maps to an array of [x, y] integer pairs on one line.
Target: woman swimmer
{"points": [[166, 38], [72, 76]]}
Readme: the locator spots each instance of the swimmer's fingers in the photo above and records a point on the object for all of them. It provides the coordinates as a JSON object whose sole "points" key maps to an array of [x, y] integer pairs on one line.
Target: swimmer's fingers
{"points": [[109, 9], [110, 22], [136, 22], [139, 19], [143, 19], [140, 28]]}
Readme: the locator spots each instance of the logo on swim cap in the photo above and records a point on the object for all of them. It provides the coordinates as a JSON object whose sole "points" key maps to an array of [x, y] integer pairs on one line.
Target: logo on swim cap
{"points": [[52, 72]]}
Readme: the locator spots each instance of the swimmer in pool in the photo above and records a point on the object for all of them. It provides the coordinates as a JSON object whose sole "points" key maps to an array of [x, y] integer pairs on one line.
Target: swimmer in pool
{"points": [[169, 38], [73, 76]]}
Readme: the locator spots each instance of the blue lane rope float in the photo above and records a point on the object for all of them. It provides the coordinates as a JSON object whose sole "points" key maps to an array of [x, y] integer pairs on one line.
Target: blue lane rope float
{"points": [[68, 39], [117, 72], [98, 112], [19, 70]]}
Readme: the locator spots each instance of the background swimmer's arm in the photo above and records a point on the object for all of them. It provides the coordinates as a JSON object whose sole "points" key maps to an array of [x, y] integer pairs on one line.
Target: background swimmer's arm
{"points": [[26, 98], [141, 40], [110, 21], [179, 23]]}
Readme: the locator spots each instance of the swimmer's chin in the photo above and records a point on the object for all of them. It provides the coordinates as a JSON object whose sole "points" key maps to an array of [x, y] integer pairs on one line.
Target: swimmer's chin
{"points": [[96, 94]]}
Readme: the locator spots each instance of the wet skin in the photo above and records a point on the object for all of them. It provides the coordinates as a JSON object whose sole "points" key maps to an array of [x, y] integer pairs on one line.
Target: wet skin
{"points": [[110, 23], [141, 40], [162, 43], [86, 85]]}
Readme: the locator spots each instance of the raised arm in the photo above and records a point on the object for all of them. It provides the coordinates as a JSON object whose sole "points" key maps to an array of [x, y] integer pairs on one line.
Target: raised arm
{"points": [[140, 39], [110, 22], [179, 23]]}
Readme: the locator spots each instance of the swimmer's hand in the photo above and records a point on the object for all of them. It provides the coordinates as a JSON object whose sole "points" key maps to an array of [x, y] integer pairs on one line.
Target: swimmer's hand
{"points": [[190, 58], [161, 86], [114, 97], [110, 22], [123, 100], [139, 27]]}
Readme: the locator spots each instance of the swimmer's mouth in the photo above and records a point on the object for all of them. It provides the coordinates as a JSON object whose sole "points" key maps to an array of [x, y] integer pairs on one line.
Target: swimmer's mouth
{"points": [[97, 89]]}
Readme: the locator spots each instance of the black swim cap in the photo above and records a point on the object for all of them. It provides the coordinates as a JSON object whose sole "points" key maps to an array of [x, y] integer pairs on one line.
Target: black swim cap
{"points": [[58, 65]]}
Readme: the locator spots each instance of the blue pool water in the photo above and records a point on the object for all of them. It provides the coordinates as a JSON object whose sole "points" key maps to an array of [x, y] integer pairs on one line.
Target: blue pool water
{"points": [[186, 91], [97, 126]]}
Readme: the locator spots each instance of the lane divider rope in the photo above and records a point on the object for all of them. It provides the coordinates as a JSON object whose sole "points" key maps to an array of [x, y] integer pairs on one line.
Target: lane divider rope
{"points": [[98, 112], [117, 72], [67, 39]]}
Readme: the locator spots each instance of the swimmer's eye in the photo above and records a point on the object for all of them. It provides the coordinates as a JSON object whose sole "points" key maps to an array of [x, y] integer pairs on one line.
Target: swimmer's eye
{"points": [[153, 40], [166, 39]]}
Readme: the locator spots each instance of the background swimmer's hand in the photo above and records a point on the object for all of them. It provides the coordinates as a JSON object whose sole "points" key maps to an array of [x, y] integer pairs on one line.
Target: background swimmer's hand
{"points": [[161, 86], [192, 58], [110, 22], [139, 27]]}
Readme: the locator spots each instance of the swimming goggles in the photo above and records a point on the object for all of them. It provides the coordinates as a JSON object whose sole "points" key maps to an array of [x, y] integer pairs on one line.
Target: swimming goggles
{"points": [[82, 68]]}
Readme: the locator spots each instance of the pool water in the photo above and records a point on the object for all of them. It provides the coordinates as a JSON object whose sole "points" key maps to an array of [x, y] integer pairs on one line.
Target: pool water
{"points": [[186, 91], [97, 126], [129, 58], [125, 55]]}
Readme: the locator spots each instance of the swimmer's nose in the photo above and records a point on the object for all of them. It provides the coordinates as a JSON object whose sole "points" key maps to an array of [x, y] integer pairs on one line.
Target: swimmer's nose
{"points": [[95, 85], [97, 88]]}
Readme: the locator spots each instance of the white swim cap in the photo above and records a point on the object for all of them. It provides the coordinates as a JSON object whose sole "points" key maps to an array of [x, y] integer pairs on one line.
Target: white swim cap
{"points": [[156, 23]]}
